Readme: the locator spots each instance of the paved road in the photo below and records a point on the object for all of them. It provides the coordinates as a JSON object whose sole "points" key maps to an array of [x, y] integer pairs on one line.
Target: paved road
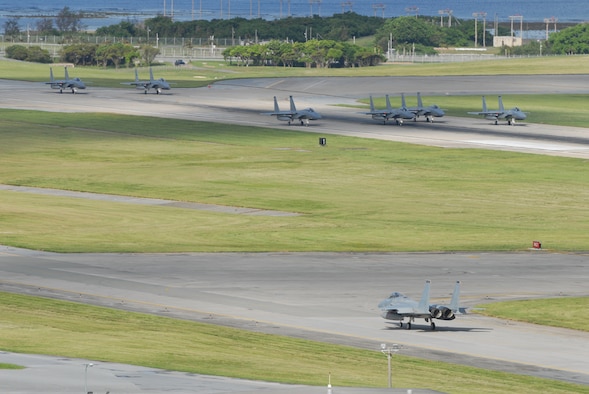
{"points": [[331, 297], [241, 101]]}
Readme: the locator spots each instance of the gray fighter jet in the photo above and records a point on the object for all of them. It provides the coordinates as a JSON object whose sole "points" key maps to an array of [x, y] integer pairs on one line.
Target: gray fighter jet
{"points": [[67, 83], [157, 84], [303, 115], [510, 115], [398, 114], [399, 307], [430, 112]]}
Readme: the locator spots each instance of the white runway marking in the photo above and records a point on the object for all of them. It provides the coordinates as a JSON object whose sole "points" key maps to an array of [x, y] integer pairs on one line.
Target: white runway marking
{"points": [[530, 145]]}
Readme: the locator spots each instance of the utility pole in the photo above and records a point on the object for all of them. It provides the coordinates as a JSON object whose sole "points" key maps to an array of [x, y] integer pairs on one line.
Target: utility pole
{"points": [[378, 6], [311, 2], [476, 16], [521, 27], [548, 21], [445, 12], [389, 351]]}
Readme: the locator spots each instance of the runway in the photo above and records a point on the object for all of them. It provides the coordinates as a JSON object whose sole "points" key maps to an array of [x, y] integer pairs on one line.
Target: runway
{"points": [[242, 101], [331, 297], [327, 296]]}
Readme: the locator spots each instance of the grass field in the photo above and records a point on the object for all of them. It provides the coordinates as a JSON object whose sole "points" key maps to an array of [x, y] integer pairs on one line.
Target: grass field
{"points": [[202, 73], [556, 312], [105, 334], [10, 366], [413, 198], [354, 195]]}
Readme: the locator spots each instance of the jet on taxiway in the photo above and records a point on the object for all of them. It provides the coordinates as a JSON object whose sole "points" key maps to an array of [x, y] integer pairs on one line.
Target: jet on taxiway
{"points": [[510, 115], [67, 83], [157, 84], [430, 112], [398, 114], [399, 307], [303, 115]]}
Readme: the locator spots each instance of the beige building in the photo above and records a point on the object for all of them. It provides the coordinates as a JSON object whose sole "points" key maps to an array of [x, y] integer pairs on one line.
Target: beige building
{"points": [[508, 41]]}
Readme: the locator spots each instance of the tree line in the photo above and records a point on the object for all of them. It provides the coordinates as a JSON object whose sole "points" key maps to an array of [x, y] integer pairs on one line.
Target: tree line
{"points": [[66, 22], [312, 53], [106, 55], [306, 41]]}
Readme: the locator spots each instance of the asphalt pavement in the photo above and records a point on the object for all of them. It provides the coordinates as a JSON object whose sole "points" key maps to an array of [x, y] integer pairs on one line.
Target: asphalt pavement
{"points": [[327, 296]]}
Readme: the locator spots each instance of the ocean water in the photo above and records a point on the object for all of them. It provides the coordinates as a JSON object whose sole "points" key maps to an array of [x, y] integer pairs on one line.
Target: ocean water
{"points": [[113, 12]]}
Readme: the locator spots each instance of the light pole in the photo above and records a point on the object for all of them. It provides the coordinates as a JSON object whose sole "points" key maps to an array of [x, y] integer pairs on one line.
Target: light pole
{"points": [[389, 351], [86, 376]]}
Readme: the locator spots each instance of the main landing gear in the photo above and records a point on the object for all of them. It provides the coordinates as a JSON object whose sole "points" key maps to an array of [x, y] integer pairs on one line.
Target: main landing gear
{"points": [[408, 324]]}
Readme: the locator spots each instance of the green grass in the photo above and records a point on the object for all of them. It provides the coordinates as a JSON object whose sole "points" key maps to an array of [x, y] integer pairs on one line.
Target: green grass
{"points": [[105, 334], [10, 366], [566, 312], [414, 198]]}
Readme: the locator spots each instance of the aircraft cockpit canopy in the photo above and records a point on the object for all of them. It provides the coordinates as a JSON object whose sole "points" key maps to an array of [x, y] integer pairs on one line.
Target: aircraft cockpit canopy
{"points": [[396, 295]]}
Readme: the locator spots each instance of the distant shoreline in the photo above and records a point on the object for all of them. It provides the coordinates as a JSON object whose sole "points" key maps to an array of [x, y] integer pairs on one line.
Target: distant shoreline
{"points": [[183, 16]]}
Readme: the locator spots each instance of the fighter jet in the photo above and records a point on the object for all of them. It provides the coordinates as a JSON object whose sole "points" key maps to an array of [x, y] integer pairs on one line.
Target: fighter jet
{"points": [[304, 115], [398, 307], [429, 112], [67, 83], [158, 85], [510, 115], [398, 114]]}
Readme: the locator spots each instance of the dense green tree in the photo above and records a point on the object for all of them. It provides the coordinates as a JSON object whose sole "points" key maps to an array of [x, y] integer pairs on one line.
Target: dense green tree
{"points": [[38, 55], [162, 26], [454, 37], [123, 29], [337, 27], [367, 57], [313, 53], [116, 54], [17, 52], [572, 40], [148, 53], [79, 54], [29, 54], [408, 30]]}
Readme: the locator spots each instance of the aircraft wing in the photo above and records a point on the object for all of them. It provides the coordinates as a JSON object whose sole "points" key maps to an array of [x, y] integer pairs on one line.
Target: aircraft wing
{"points": [[280, 113], [382, 113], [487, 113]]}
